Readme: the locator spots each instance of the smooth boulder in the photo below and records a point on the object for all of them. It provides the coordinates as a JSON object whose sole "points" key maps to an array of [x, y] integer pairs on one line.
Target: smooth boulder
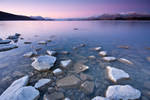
{"points": [[116, 74], [109, 59], [65, 63], [123, 60], [57, 71], [42, 82], [43, 63], [123, 92]]}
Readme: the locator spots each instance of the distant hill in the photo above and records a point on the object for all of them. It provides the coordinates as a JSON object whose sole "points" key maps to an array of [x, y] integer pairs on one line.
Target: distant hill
{"points": [[8, 16]]}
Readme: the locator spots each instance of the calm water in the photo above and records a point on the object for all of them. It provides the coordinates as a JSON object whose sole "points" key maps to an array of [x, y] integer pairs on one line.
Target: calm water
{"points": [[108, 34]]}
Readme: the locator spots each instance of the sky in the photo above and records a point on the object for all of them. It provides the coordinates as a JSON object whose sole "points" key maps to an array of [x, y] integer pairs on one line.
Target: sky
{"points": [[73, 8]]}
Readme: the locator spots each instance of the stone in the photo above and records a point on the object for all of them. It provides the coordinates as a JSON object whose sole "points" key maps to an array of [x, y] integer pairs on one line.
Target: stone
{"points": [[100, 98], [54, 96], [57, 71], [42, 42], [17, 34], [42, 82], [51, 53], [51, 89], [123, 92], [103, 53], [123, 47], [92, 57], [85, 77], [109, 59], [14, 87], [123, 60], [67, 98], [6, 47], [148, 59], [68, 81], [13, 37], [80, 68], [82, 45], [65, 52], [66, 63], [43, 63], [25, 93], [115, 74], [5, 41], [28, 54], [27, 42], [87, 87], [97, 48]]}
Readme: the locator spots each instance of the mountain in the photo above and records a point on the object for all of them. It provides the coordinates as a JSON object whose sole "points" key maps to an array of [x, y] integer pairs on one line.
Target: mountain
{"points": [[121, 16], [9, 16]]}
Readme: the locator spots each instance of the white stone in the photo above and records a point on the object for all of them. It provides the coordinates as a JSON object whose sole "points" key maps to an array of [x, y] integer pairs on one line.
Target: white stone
{"points": [[43, 63], [42, 42], [42, 82], [100, 98], [5, 41], [109, 59], [28, 54], [123, 92], [115, 74], [97, 48], [51, 53], [5, 47], [26, 93], [67, 98], [15, 86], [57, 71], [103, 53], [65, 63], [123, 60]]}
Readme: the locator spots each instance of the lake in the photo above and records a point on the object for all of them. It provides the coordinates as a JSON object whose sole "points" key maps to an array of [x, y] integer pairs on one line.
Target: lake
{"points": [[108, 34]]}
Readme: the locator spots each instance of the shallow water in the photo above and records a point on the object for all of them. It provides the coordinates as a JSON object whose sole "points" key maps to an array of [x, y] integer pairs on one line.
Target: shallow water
{"points": [[108, 34]]}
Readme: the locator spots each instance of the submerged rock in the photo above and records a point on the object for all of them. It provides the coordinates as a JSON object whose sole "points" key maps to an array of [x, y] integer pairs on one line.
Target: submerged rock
{"points": [[27, 42], [68, 81], [109, 59], [42, 42], [123, 60], [80, 68], [57, 71], [6, 47], [8, 94], [30, 54], [85, 77], [103, 53], [97, 48], [123, 92], [115, 74], [51, 53], [42, 82], [5, 41], [54, 96], [65, 52], [100, 98], [82, 45], [66, 63], [87, 87], [43, 63], [148, 59], [123, 47], [92, 57]]}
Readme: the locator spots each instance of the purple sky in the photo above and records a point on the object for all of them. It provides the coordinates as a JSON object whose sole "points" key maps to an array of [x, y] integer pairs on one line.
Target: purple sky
{"points": [[73, 8]]}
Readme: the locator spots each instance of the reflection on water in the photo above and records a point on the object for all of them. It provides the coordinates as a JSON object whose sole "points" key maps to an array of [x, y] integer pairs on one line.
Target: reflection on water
{"points": [[108, 34]]}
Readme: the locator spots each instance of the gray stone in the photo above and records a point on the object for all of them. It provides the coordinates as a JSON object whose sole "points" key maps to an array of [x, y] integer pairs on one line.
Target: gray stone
{"points": [[25, 93], [43, 63], [92, 57], [115, 74], [42, 82], [80, 68], [5, 41], [87, 87], [97, 48], [54, 96], [14, 87], [100, 98], [123, 92], [57, 71], [103, 53], [6, 47], [66, 63], [123, 60], [51, 53], [109, 59], [68, 81]]}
